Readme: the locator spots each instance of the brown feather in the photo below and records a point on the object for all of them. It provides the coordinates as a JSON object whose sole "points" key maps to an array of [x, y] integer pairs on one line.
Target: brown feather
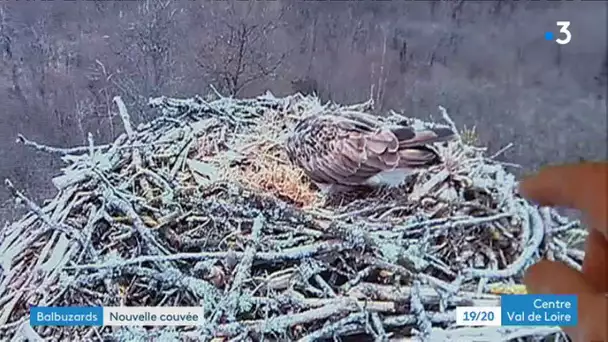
{"points": [[349, 149], [426, 137], [390, 159], [417, 157]]}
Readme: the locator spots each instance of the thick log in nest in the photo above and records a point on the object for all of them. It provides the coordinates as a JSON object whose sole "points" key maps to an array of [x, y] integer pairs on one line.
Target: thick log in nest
{"points": [[201, 207]]}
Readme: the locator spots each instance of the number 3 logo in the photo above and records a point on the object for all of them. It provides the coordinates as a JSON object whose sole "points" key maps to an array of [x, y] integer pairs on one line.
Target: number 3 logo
{"points": [[564, 29]]}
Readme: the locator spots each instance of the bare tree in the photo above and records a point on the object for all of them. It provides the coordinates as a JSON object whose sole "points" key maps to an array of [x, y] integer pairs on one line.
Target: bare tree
{"points": [[10, 62], [37, 70], [147, 51], [240, 50]]}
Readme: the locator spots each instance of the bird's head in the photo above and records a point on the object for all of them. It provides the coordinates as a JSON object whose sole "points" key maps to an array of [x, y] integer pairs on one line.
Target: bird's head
{"points": [[299, 139]]}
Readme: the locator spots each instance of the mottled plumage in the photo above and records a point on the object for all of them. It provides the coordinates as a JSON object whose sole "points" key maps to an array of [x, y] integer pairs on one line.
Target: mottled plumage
{"points": [[352, 149]]}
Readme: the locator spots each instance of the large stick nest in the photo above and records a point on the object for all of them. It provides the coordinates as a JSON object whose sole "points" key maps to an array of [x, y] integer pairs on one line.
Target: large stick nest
{"points": [[201, 207]]}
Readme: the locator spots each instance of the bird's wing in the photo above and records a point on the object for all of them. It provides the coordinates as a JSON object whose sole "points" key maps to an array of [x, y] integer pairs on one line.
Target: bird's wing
{"points": [[405, 134], [413, 145], [355, 151], [354, 147], [408, 137], [395, 146]]}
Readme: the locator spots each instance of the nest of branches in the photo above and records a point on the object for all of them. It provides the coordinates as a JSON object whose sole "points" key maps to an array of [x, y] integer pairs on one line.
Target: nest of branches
{"points": [[200, 207]]}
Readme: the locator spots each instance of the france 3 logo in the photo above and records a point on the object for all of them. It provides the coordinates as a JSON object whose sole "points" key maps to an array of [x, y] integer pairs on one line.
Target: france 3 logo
{"points": [[564, 35]]}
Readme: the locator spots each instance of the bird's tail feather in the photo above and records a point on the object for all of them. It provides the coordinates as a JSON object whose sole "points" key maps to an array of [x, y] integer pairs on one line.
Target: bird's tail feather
{"points": [[418, 157], [409, 138]]}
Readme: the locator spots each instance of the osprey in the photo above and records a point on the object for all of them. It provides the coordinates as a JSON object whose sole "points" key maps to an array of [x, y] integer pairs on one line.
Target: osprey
{"points": [[354, 149]]}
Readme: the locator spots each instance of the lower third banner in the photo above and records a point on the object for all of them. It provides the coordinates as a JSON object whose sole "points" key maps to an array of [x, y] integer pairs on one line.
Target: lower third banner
{"points": [[116, 316], [539, 310]]}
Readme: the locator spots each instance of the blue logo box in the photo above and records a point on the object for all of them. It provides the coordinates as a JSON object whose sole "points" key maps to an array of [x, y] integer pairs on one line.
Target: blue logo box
{"points": [[66, 316], [539, 310]]}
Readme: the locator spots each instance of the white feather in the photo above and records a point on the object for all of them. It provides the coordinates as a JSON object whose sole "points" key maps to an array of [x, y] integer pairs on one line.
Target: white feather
{"points": [[391, 178], [325, 188]]}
